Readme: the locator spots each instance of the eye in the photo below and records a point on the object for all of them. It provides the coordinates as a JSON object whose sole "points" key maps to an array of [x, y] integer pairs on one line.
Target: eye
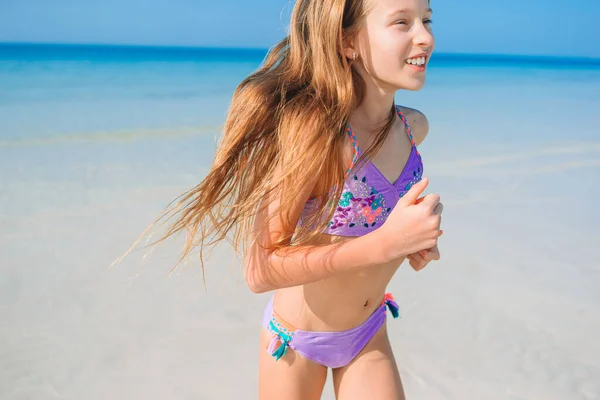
{"points": [[428, 21], [401, 22]]}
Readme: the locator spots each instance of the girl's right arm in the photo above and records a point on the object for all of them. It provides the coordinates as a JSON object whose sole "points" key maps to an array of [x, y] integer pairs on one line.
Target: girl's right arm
{"points": [[293, 266]]}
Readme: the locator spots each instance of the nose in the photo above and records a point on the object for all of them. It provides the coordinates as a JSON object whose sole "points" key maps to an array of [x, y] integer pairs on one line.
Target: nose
{"points": [[423, 36]]}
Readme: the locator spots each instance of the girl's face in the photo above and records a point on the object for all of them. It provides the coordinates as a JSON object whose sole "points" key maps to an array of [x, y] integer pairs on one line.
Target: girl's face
{"points": [[395, 43]]}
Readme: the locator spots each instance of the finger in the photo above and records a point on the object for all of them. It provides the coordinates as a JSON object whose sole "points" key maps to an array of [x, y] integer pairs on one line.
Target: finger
{"points": [[418, 261], [421, 266], [415, 191], [431, 201], [432, 254], [418, 256], [439, 207], [413, 263], [417, 266], [425, 256], [435, 252]]}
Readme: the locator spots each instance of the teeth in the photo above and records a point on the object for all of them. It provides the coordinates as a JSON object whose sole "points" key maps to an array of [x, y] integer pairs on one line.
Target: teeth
{"points": [[416, 61]]}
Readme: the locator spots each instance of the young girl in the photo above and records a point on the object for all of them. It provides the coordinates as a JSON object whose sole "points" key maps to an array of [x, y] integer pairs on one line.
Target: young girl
{"points": [[318, 180]]}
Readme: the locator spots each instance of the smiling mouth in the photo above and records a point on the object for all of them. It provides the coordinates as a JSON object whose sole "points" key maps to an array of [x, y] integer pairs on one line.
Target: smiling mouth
{"points": [[418, 61]]}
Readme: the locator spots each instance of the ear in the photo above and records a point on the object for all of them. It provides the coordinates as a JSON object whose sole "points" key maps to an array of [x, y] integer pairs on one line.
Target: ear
{"points": [[349, 48]]}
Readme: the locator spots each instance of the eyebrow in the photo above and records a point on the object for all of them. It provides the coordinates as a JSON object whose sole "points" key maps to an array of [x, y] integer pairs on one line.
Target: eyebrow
{"points": [[406, 11]]}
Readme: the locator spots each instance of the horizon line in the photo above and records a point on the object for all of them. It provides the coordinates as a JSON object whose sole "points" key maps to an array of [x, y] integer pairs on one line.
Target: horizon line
{"points": [[192, 48]]}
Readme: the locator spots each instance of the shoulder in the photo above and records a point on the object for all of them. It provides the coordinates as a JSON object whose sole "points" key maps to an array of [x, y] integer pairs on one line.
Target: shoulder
{"points": [[418, 123]]}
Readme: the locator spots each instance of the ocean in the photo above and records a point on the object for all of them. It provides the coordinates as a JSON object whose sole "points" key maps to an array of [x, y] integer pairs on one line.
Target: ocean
{"points": [[489, 115], [68, 92], [497, 114]]}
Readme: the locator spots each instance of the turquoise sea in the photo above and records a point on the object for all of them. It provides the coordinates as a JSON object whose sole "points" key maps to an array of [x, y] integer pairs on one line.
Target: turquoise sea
{"points": [[479, 106], [56, 91]]}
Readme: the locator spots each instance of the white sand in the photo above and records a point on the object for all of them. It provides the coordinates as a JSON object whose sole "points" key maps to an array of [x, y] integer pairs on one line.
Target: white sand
{"points": [[510, 312]]}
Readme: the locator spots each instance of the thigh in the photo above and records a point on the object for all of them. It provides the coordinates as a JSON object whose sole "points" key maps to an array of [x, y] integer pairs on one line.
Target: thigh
{"points": [[293, 377], [373, 374]]}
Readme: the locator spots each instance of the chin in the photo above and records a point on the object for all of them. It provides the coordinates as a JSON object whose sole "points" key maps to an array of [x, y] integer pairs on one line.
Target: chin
{"points": [[412, 85]]}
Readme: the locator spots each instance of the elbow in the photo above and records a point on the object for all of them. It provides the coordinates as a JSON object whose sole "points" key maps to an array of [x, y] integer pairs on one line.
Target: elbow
{"points": [[254, 282], [256, 287]]}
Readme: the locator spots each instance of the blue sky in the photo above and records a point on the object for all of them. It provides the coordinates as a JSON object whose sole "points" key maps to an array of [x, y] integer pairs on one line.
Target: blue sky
{"points": [[537, 27]]}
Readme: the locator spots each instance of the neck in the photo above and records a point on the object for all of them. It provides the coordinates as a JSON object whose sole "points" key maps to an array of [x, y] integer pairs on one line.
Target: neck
{"points": [[374, 110]]}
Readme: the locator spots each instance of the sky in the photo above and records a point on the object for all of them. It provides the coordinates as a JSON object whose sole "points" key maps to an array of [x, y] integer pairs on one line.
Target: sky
{"points": [[533, 27]]}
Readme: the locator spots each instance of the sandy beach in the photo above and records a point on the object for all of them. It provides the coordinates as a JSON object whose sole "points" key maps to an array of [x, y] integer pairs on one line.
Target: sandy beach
{"points": [[510, 312]]}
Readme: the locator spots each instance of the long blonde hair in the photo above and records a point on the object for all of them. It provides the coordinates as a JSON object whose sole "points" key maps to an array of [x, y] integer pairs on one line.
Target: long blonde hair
{"points": [[292, 112]]}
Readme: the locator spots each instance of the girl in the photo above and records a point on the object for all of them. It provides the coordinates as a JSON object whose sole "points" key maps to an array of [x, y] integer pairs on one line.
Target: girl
{"points": [[318, 180]]}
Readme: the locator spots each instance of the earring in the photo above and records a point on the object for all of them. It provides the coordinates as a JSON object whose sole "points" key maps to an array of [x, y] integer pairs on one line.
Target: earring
{"points": [[354, 56]]}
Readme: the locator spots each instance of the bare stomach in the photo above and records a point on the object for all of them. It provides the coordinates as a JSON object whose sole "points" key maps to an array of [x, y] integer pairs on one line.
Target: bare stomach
{"points": [[337, 303]]}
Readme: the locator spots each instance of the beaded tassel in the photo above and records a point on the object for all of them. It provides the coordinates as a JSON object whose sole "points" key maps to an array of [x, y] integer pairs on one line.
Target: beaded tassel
{"points": [[392, 305], [281, 351], [279, 336]]}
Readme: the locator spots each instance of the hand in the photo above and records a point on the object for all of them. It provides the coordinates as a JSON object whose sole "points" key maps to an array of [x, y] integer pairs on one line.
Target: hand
{"points": [[420, 259], [413, 225]]}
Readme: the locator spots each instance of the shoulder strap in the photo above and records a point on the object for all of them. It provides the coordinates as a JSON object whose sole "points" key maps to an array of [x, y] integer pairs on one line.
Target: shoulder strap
{"points": [[408, 129], [354, 142]]}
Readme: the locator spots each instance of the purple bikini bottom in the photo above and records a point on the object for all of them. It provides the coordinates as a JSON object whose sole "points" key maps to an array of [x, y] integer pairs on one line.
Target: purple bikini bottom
{"points": [[330, 349]]}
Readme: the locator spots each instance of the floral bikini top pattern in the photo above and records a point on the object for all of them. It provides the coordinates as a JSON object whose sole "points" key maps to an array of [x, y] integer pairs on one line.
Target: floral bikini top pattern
{"points": [[368, 197]]}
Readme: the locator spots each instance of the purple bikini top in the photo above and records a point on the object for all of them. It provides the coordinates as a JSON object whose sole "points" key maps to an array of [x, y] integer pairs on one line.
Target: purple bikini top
{"points": [[368, 197]]}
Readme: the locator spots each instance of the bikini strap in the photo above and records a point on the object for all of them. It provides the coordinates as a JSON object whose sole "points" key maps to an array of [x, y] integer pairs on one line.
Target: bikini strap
{"points": [[408, 128], [354, 142]]}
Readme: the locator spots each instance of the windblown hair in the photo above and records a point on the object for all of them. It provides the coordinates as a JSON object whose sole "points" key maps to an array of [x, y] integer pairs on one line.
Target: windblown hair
{"points": [[292, 113]]}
